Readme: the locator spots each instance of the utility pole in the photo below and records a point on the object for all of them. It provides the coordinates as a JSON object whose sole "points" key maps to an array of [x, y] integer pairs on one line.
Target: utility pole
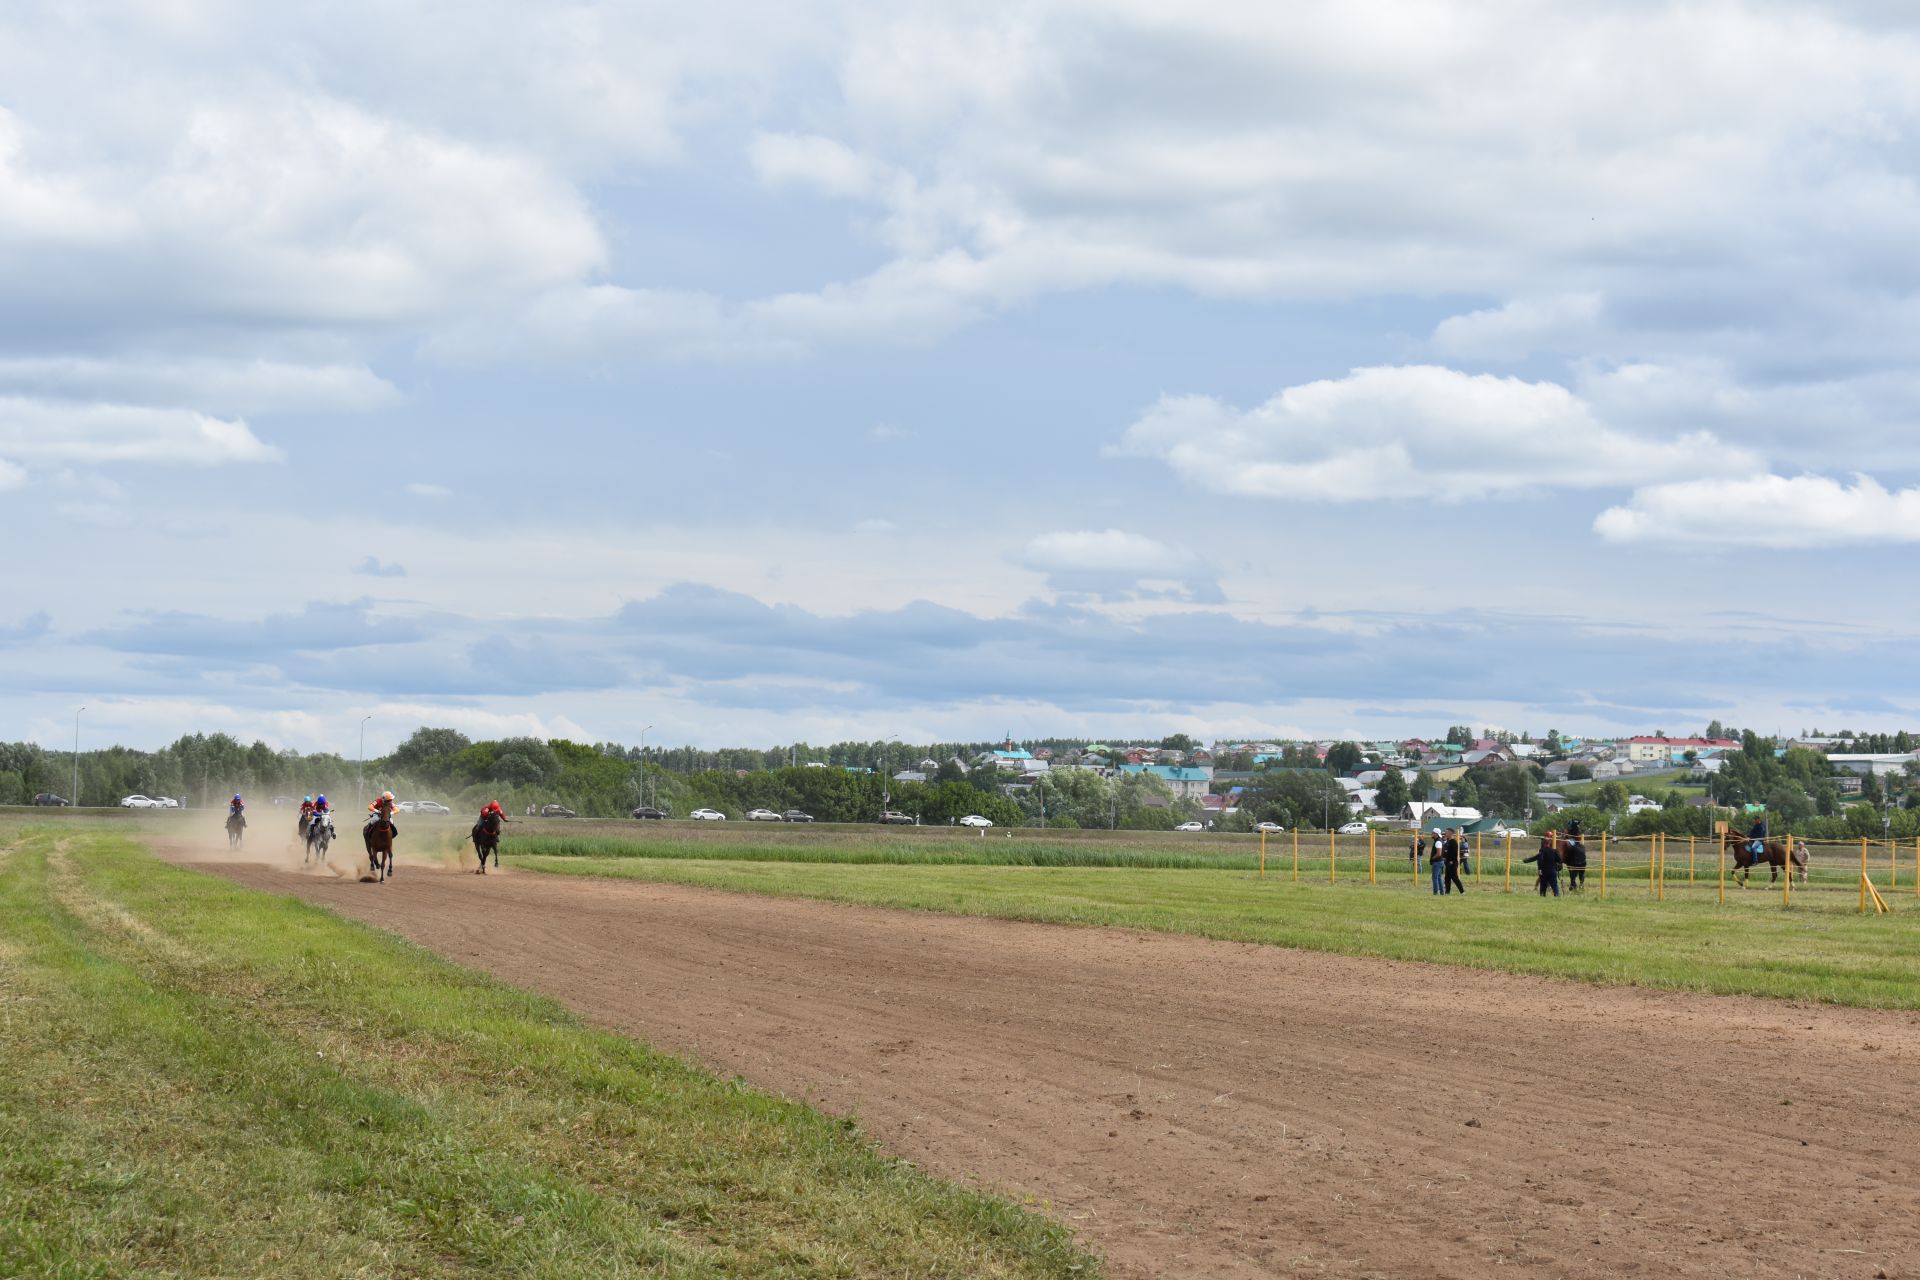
{"points": [[76, 757], [643, 763], [360, 769]]}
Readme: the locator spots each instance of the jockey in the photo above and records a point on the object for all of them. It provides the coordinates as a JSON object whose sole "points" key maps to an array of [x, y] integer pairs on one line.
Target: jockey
{"points": [[1758, 835], [382, 807], [236, 806], [321, 806], [306, 813], [492, 808]]}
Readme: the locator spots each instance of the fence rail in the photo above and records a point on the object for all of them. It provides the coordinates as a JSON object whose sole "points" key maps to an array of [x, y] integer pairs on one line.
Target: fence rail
{"points": [[1652, 864]]}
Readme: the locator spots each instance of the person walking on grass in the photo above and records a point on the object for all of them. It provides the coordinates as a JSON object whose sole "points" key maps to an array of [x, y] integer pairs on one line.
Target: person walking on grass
{"points": [[1435, 862], [1452, 862], [1548, 860]]}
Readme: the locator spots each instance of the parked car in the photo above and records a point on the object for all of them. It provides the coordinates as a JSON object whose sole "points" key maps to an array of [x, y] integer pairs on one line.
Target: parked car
{"points": [[707, 815], [762, 815], [896, 819], [166, 802], [48, 798], [1190, 826], [1268, 828], [140, 802], [556, 811], [648, 811], [796, 815], [1353, 828], [975, 820], [430, 806]]}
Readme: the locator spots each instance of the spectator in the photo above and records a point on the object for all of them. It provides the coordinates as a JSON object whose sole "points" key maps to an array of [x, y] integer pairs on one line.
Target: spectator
{"points": [[1452, 862], [1548, 860], [1435, 861]]}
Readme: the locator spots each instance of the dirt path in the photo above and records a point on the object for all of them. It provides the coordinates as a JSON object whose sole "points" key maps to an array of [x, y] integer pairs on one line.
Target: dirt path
{"points": [[1200, 1108]]}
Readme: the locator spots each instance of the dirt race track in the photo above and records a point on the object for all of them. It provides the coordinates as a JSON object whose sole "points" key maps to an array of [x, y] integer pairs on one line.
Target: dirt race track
{"points": [[1199, 1108]]}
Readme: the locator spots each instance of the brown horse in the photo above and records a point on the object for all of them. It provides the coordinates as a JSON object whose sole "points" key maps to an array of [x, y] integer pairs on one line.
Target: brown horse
{"points": [[379, 836], [486, 840], [1573, 858], [1781, 855]]}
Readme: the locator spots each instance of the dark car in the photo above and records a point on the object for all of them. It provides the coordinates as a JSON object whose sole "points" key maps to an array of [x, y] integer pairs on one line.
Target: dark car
{"points": [[555, 811], [894, 819], [48, 798], [648, 811], [796, 815]]}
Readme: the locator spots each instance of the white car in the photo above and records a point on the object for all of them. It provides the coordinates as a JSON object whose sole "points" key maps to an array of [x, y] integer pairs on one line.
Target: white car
{"points": [[1268, 828], [166, 802], [975, 820], [762, 815], [1190, 826], [142, 802], [708, 815], [1510, 833], [1353, 828]]}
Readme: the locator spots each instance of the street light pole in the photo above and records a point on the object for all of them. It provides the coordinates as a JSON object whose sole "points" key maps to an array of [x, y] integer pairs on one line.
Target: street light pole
{"points": [[360, 770], [76, 756], [886, 776]]}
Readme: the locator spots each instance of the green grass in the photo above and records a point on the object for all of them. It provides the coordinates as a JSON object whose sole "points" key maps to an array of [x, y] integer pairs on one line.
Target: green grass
{"points": [[1819, 950], [201, 1080]]}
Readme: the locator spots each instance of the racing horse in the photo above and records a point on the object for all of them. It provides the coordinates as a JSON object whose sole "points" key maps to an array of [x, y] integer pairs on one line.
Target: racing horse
{"points": [[486, 840], [1783, 854], [379, 837], [319, 833], [236, 827]]}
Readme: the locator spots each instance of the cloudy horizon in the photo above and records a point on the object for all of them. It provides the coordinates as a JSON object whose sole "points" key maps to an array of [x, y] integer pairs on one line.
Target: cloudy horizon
{"points": [[834, 370]]}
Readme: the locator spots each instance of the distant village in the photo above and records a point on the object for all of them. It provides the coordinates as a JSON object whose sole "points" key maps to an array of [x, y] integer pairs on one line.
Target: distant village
{"points": [[1415, 782]]}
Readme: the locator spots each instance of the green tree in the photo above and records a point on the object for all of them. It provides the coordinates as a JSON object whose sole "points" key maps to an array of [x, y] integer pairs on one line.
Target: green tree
{"points": [[1609, 797], [1579, 772], [429, 753], [1344, 757], [1392, 795]]}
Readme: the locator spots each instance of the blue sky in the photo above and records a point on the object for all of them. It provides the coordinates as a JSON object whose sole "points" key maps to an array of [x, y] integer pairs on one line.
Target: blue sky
{"points": [[822, 370]]}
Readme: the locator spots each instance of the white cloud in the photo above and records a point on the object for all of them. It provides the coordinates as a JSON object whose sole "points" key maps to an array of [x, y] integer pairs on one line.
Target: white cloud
{"points": [[53, 432], [1411, 432], [11, 476], [1106, 551], [431, 491], [210, 384], [1565, 322], [825, 164], [1766, 511], [374, 567]]}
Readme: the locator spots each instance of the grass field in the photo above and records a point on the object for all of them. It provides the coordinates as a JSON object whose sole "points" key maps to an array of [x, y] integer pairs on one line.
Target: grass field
{"points": [[1818, 950], [204, 1081]]}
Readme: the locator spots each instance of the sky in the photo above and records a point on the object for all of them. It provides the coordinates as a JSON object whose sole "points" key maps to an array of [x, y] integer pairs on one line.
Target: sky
{"points": [[746, 373]]}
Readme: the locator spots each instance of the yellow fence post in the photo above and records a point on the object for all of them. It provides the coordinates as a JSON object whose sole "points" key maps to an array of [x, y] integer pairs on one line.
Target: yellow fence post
{"points": [[1723, 873], [1786, 885], [1863, 875], [1296, 855], [1373, 855], [1263, 855], [1653, 860], [1603, 864], [1662, 895], [1893, 865], [1508, 888], [1916, 866], [1690, 841], [1479, 847], [1333, 857]]}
